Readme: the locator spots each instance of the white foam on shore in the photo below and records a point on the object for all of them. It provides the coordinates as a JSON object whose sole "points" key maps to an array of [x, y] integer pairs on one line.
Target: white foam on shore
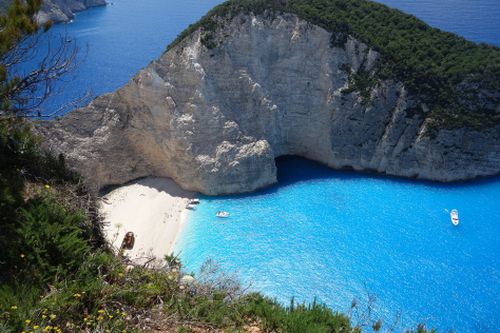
{"points": [[154, 209]]}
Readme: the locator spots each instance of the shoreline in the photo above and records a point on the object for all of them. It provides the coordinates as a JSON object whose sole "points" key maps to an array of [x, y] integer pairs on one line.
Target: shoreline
{"points": [[181, 224], [154, 209]]}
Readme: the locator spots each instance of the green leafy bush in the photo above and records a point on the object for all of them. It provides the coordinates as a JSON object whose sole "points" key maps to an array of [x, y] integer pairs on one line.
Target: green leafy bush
{"points": [[49, 240], [314, 318]]}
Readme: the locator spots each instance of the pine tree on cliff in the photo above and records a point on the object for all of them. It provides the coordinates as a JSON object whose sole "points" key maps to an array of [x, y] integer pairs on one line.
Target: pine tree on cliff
{"points": [[15, 26]]}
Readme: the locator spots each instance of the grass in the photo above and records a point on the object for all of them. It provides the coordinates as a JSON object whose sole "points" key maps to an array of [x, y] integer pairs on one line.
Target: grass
{"points": [[101, 295]]}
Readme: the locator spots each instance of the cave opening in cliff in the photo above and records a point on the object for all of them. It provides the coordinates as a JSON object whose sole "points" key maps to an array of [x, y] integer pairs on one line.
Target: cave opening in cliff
{"points": [[294, 169]]}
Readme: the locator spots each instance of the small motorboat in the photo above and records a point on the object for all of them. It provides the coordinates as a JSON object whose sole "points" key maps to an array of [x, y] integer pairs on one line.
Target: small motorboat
{"points": [[194, 201], [190, 206], [454, 217], [222, 213]]}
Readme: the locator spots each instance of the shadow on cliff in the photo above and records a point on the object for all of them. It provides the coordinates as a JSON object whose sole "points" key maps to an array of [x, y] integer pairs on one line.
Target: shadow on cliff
{"points": [[158, 183], [294, 169]]}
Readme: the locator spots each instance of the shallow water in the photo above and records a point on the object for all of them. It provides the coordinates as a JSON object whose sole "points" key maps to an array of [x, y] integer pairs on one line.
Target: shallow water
{"points": [[340, 236]]}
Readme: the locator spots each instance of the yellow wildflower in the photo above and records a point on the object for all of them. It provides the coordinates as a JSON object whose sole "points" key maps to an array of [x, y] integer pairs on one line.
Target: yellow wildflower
{"points": [[110, 316], [36, 327], [100, 318], [13, 307], [47, 186], [22, 255], [124, 314], [53, 316], [77, 295], [44, 316], [27, 321], [85, 319]]}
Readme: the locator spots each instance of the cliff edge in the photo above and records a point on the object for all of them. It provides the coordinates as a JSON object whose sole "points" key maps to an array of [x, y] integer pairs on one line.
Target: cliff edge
{"points": [[64, 10], [223, 102]]}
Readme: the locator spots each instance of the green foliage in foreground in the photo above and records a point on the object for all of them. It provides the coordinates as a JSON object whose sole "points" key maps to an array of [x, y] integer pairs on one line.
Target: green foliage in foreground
{"points": [[101, 295], [446, 71], [36, 234]]}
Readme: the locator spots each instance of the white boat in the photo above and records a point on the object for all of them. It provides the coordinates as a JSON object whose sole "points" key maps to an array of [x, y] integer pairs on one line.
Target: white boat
{"points": [[222, 213], [454, 217], [190, 206], [194, 201]]}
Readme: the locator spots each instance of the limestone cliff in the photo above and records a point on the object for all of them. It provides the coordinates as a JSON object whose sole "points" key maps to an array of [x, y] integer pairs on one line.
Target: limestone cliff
{"points": [[63, 10], [215, 118]]}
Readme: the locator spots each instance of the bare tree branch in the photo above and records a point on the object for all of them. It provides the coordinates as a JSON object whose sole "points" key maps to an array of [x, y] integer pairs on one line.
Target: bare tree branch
{"points": [[28, 91]]}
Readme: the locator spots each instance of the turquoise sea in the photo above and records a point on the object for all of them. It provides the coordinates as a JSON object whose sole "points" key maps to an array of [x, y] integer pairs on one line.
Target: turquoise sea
{"points": [[321, 233], [340, 236]]}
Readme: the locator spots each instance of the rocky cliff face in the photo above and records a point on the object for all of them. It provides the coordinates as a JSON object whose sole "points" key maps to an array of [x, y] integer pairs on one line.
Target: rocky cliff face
{"points": [[215, 119], [63, 10]]}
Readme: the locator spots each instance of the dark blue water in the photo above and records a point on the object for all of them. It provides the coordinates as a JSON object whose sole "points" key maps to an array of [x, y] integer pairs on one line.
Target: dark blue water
{"points": [[341, 236], [323, 233], [116, 41], [476, 20]]}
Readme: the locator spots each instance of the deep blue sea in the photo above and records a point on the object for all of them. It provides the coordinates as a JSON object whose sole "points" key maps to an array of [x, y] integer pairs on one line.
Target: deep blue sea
{"points": [[476, 20], [333, 235], [115, 42]]}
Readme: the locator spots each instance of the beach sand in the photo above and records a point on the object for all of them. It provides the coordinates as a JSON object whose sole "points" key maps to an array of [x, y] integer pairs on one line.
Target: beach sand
{"points": [[154, 209]]}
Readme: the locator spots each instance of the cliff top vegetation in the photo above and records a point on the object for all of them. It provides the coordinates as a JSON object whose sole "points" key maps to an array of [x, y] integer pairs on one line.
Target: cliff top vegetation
{"points": [[458, 80]]}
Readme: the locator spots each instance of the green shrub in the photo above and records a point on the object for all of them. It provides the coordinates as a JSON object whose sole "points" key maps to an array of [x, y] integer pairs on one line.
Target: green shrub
{"points": [[16, 305], [363, 82], [314, 318], [49, 239]]}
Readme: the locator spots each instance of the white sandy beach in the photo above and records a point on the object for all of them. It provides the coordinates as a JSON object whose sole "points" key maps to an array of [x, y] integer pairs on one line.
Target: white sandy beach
{"points": [[153, 209]]}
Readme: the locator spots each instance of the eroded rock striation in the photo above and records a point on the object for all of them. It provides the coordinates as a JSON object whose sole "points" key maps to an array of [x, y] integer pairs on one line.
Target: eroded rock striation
{"points": [[215, 116], [64, 10]]}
